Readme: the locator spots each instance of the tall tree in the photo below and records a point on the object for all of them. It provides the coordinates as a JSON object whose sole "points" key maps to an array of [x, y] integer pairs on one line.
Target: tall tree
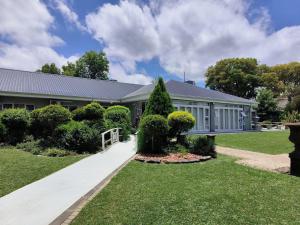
{"points": [[267, 106], [271, 81], [49, 68], [93, 65], [159, 101], [236, 76], [288, 73], [295, 97], [69, 69]]}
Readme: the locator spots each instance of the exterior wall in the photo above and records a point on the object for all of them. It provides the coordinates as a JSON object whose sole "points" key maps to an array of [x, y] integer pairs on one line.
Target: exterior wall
{"points": [[40, 102], [217, 117]]}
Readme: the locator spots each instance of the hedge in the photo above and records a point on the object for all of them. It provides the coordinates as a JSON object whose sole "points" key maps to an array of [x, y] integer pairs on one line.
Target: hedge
{"points": [[16, 122], [45, 120], [92, 112], [78, 137], [118, 116]]}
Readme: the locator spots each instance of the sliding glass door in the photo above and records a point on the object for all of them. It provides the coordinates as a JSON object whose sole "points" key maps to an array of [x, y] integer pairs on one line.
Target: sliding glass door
{"points": [[228, 118]]}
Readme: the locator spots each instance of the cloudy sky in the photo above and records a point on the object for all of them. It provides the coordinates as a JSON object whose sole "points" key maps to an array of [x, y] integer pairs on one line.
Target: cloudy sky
{"points": [[147, 38]]}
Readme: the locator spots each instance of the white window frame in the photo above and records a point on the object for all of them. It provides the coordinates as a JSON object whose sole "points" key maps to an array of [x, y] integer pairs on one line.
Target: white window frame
{"points": [[232, 109], [197, 127]]}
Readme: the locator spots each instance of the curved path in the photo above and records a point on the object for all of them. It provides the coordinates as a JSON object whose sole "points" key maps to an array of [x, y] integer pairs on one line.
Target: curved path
{"points": [[275, 163], [42, 202]]}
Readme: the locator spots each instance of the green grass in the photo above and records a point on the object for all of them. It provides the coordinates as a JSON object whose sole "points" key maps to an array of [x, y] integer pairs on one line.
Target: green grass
{"points": [[215, 192], [18, 168], [265, 142]]}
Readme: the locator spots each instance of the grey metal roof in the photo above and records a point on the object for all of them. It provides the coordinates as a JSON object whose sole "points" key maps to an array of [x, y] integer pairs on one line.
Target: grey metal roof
{"points": [[41, 84], [180, 89], [35, 83]]}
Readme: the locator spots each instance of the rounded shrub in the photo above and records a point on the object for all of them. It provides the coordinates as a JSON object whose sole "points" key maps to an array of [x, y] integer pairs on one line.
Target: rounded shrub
{"points": [[45, 120], [93, 111], [180, 121], [78, 137], [201, 145], [16, 122], [118, 116], [153, 131]]}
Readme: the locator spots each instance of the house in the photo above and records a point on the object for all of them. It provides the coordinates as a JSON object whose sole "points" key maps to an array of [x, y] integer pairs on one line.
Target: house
{"points": [[214, 111]]}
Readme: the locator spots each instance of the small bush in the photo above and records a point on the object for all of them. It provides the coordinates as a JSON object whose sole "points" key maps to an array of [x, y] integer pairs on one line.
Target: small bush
{"points": [[201, 145], [179, 122], [93, 112], [2, 132], [118, 117], [292, 117], [55, 152], [153, 131], [30, 146], [48, 118], [78, 137], [16, 122]]}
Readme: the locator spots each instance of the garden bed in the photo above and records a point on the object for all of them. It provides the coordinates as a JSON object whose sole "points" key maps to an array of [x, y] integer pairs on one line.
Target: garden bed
{"points": [[172, 158]]}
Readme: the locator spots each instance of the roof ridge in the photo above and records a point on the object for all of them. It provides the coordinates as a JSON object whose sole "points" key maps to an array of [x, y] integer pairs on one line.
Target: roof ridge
{"points": [[71, 77]]}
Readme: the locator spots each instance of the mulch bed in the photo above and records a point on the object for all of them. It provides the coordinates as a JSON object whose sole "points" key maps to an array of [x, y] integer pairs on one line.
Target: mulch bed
{"points": [[172, 158]]}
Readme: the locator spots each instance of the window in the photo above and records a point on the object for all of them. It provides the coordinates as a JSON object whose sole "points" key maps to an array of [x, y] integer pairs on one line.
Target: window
{"points": [[30, 107], [19, 106], [7, 106]]}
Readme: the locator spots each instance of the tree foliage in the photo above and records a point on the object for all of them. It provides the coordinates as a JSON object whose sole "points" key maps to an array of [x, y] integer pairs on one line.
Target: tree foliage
{"points": [[159, 102], [93, 65], [69, 69], [266, 104], [50, 68], [236, 76]]}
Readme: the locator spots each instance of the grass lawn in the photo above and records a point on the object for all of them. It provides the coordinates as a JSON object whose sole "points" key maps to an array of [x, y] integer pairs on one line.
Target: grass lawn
{"points": [[215, 192], [18, 168], [266, 142]]}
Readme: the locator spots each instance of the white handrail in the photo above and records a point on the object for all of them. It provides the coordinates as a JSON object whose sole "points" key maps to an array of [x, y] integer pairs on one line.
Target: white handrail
{"points": [[114, 136]]}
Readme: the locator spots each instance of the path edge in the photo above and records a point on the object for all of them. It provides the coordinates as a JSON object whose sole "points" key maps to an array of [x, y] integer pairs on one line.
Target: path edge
{"points": [[69, 214]]}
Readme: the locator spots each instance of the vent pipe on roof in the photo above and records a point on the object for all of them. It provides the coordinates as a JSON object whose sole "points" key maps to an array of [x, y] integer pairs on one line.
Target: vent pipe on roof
{"points": [[190, 82]]}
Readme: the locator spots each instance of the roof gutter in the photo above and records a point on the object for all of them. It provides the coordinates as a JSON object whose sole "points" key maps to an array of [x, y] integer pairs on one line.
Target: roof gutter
{"points": [[144, 97], [62, 97]]}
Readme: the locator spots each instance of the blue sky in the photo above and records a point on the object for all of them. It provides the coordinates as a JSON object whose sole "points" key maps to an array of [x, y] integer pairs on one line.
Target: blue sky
{"points": [[144, 39]]}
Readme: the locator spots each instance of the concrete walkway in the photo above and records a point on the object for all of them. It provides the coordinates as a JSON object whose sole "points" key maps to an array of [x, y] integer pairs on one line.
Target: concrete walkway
{"points": [[274, 163], [41, 202]]}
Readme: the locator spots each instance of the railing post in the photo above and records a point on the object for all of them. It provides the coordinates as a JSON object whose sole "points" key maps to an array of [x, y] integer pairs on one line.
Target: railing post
{"points": [[118, 138], [103, 141]]}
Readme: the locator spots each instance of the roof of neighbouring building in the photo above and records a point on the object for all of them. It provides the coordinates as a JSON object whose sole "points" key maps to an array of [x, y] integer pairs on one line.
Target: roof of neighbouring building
{"points": [[181, 90], [16, 82]]}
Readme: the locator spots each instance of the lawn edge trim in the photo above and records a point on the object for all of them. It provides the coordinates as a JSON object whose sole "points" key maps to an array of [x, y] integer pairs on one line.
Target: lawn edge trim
{"points": [[70, 214]]}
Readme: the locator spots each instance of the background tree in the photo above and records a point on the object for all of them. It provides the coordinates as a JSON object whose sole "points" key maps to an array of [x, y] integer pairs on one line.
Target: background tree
{"points": [[159, 101], [50, 68], [295, 100], [93, 65], [267, 107], [236, 76], [69, 69], [289, 73], [271, 81]]}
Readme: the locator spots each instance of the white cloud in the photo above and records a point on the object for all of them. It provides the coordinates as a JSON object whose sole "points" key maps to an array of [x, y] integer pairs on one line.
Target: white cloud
{"points": [[118, 72], [25, 39], [190, 35], [127, 30], [69, 14]]}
